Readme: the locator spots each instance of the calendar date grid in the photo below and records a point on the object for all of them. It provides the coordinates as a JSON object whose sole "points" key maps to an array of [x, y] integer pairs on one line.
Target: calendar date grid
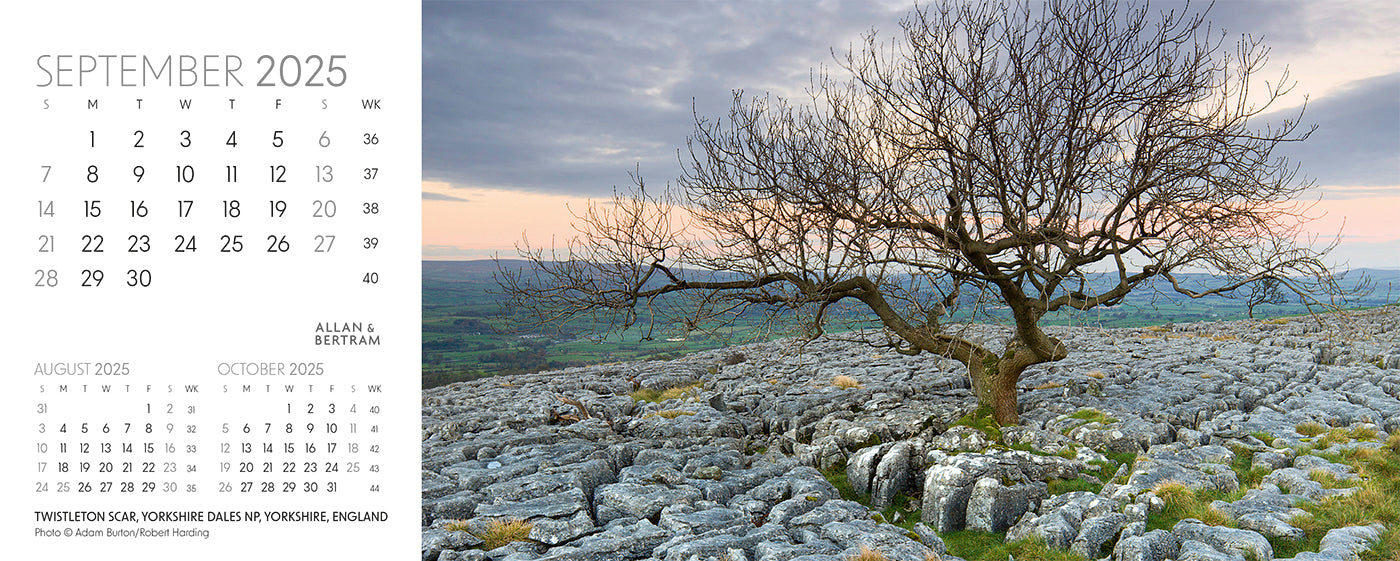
{"points": [[122, 195], [275, 439]]}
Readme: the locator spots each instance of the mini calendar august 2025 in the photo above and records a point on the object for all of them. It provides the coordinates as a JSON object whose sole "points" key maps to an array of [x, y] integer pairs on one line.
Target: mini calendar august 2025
{"points": [[211, 280]]}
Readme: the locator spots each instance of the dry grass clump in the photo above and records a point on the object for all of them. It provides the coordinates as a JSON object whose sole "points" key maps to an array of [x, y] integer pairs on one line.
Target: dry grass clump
{"points": [[1310, 428], [867, 554], [1049, 385], [1181, 502], [658, 396], [673, 413], [457, 526], [1364, 433], [1095, 374], [502, 532], [845, 382], [1334, 436]]}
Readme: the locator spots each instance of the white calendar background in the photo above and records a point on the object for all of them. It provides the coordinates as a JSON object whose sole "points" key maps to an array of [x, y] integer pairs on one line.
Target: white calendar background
{"points": [[186, 347]]}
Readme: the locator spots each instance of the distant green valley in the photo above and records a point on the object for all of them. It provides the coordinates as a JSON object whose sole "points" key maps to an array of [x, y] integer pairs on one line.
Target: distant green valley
{"points": [[465, 337]]}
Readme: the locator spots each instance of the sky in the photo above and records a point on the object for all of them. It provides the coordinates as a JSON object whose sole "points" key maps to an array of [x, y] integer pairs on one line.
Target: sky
{"points": [[531, 108]]}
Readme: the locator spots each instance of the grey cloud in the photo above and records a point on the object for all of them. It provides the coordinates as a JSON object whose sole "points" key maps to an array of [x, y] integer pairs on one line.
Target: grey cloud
{"points": [[568, 97], [442, 197], [1357, 142]]}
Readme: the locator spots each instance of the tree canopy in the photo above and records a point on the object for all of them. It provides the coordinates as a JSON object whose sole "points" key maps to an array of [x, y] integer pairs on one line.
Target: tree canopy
{"points": [[991, 152]]}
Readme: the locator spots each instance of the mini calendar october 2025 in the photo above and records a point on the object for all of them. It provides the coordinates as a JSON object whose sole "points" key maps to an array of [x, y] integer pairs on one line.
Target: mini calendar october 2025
{"points": [[211, 282]]}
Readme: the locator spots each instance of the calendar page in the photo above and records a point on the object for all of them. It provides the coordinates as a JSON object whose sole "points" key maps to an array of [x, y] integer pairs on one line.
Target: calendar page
{"points": [[211, 286]]}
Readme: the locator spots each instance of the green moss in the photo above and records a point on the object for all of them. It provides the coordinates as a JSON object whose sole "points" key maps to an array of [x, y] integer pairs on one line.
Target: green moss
{"points": [[983, 420], [1062, 486], [1087, 416], [1093, 415], [982, 546], [837, 477], [874, 440], [1249, 476], [899, 505]]}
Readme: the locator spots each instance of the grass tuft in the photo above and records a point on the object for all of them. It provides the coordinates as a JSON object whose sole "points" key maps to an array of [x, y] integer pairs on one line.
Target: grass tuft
{"points": [[457, 526], [1310, 428], [1334, 436], [982, 546], [1062, 486], [1363, 433], [658, 396], [502, 532], [867, 554], [845, 382], [1181, 502]]}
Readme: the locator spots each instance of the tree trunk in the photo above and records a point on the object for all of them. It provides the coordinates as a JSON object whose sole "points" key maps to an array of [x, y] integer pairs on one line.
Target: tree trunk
{"points": [[994, 381], [994, 377]]}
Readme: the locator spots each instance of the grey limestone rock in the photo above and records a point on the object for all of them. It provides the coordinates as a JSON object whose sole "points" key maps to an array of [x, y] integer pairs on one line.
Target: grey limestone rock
{"points": [[617, 500], [436, 485], [702, 521], [1157, 545], [960, 439], [1061, 518], [993, 507], [786, 511], [1269, 460], [860, 469], [831, 511], [627, 482], [1192, 550], [1227, 540], [948, 486], [1310, 463], [621, 542], [464, 555], [716, 543], [786, 551], [891, 541], [559, 505], [1266, 510], [1300, 482], [891, 475], [1270, 526], [1095, 532], [551, 531], [930, 538], [1347, 542], [435, 541], [1199, 468]]}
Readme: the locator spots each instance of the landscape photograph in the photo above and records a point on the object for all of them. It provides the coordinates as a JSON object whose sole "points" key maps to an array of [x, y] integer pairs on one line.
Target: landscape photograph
{"points": [[834, 281]]}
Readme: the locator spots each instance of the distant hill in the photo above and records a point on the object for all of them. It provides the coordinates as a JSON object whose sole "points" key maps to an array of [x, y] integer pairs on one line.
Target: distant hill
{"points": [[464, 336]]}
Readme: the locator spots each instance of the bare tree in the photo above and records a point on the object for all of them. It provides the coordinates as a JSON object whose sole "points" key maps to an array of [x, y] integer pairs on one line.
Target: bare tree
{"points": [[1041, 160]]}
